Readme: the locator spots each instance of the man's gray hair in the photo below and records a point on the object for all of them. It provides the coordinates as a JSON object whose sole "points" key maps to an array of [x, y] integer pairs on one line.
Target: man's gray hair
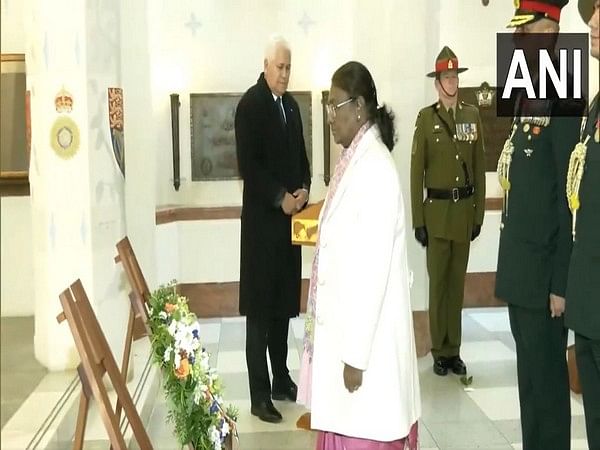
{"points": [[275, 41]]}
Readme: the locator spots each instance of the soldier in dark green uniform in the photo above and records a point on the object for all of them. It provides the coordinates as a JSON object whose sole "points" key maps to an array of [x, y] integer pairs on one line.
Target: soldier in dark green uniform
{"points": [[448, 160], [582, 312], [535, 246]]}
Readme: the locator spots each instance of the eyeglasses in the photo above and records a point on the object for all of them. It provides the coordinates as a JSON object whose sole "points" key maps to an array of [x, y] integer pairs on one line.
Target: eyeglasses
{"points": [[331, 109]]}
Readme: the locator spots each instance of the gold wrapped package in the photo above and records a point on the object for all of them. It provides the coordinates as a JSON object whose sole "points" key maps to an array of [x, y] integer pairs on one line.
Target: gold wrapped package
{"points": [[305, 225]]}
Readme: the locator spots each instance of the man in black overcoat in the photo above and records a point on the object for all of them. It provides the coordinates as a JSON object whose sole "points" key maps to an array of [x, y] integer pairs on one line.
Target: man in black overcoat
{"points": [[274, 166]]}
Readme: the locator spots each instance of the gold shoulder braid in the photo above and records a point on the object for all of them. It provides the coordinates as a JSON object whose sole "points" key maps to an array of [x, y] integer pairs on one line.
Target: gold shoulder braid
{"points": [[575, 174], [504, 162]]}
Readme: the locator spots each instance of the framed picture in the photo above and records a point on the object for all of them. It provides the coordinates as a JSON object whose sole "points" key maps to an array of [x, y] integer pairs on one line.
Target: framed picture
{"points": [[15, 134], [331, 151], [213, 133]]}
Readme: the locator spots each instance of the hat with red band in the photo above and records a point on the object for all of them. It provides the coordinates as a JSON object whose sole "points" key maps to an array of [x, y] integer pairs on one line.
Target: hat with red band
{"points": [[528, 11], [446, 60]]}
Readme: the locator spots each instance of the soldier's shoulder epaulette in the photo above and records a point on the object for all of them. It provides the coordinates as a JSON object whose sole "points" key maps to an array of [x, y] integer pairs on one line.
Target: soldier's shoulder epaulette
{"points": [[424, 113], [468, 105], [470, 110], [428, 110]]}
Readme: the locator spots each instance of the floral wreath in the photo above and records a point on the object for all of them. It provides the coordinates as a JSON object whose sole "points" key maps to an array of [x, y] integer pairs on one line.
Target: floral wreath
{"points": [[193, 388]]}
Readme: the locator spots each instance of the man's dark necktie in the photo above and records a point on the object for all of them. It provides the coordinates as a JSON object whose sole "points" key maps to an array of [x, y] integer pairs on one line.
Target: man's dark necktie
{"points": [[280, 109]]}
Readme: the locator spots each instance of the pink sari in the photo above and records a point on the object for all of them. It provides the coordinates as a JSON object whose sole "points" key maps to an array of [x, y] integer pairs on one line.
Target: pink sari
{"points": [[332, 441]]}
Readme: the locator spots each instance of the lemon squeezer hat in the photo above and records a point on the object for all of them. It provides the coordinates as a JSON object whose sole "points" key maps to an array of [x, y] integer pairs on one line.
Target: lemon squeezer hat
{"points": [[446, 60]]}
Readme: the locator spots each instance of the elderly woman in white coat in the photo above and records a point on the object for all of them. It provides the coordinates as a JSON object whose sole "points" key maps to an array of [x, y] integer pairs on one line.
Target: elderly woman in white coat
{"points": [[359, 368]]}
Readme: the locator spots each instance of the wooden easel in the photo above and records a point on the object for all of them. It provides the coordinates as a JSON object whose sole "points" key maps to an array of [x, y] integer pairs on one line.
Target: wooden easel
{"points": [[127, 257], [96, 360], [139, 295], [137, 325]]}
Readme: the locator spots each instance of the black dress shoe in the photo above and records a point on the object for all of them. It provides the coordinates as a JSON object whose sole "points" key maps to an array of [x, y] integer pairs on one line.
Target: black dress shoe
{"points": [[439, 366], [266, 412], [285, 391], [457, 365]]}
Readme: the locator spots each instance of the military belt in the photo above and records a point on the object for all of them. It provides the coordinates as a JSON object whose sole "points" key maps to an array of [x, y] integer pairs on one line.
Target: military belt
{"points": [[455, 194]]}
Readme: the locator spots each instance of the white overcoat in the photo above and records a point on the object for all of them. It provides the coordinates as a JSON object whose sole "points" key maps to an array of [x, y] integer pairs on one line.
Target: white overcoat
{"points": [[363, 315]]}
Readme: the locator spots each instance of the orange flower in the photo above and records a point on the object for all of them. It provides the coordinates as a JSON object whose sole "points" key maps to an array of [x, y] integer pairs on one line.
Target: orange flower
{"points": [[170, 307], [184, 369]]}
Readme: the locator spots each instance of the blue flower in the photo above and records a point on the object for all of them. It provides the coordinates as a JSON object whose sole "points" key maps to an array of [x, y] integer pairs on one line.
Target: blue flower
{"points": [[195, 333], [214, 407]]}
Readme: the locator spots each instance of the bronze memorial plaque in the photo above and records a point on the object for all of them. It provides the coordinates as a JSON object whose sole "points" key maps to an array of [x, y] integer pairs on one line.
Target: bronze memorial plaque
{"points": [[213, 134]]}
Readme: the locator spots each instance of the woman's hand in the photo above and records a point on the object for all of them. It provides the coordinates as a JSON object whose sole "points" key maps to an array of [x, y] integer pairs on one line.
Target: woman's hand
{"points": [[352, 378]]}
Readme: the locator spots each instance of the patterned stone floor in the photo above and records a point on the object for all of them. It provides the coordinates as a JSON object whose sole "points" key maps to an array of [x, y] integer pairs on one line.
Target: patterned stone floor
{"points": [[484, 417]]}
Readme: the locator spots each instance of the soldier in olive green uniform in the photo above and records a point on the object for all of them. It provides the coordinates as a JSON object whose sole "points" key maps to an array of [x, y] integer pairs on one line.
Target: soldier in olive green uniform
{"points": [[448, 160], [535, 246], [582, 313]]}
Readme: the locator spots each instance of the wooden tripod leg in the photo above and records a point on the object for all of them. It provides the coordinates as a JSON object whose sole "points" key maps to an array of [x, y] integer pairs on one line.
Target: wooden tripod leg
{"points": [[126, 354], [82, 414], [117, 440], [84, 403], [128, 406]]}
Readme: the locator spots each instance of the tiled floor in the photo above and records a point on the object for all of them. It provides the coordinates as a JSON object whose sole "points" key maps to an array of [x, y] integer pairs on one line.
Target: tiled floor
{"points": [[19, 371], [484, 417]]}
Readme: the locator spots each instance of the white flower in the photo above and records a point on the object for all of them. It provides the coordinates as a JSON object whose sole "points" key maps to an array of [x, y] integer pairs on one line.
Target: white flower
{"points": [[162, 315], [215, 437], [184, 337], [173, 327], [177, 361], [225, 428], [167, 355], [204, 366], [197, 397], [199, 392]]}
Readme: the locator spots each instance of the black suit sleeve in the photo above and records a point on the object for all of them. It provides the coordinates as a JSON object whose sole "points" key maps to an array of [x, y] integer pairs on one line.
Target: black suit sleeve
{"points": [[257, 178]]}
